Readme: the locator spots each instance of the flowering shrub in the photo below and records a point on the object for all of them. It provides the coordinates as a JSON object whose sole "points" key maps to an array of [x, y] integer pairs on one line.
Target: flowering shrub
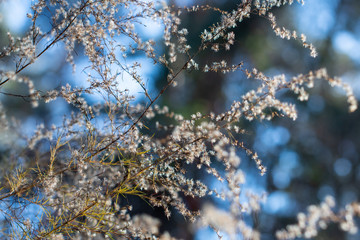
{"points": [[104, 152]]}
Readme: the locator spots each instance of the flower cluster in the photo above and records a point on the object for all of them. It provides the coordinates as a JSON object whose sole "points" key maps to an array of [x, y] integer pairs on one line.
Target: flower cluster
{"points": [[319, 217]]}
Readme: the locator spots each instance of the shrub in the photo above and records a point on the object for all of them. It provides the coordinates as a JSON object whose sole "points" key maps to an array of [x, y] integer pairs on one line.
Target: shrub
{"points": [[78, 174]]}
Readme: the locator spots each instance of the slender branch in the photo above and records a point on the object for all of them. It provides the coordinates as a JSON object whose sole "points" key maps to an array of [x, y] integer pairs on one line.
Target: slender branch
{"points": [[49, 45]]}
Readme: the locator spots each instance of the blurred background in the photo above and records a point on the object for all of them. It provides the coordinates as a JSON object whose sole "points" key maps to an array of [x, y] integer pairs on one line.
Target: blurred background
{"points": [[315, 156]]}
